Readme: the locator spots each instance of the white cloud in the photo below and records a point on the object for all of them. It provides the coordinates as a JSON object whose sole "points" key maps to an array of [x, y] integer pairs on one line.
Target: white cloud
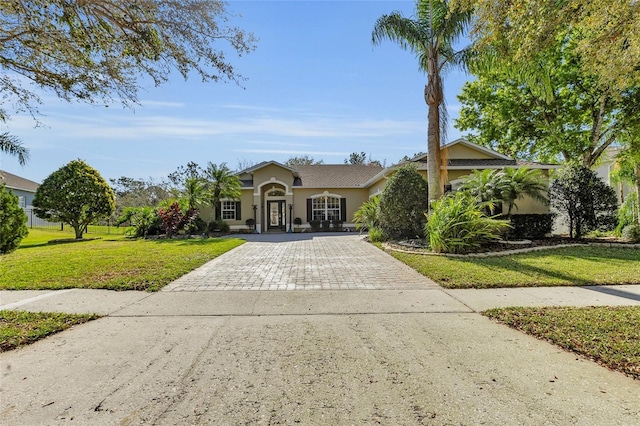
{"points": [[293, 152]]}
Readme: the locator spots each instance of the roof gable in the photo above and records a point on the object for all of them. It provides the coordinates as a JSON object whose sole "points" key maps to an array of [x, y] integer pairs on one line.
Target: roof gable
{"points": [[16, 182], [451, 147], [262, 165]]}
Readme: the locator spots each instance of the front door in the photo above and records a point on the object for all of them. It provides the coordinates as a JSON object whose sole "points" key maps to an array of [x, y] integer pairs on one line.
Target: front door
{"points": [[275, 210]]}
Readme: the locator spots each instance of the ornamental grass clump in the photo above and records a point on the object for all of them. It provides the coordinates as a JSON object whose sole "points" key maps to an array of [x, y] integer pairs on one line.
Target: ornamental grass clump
{"points": [[457, 224]]}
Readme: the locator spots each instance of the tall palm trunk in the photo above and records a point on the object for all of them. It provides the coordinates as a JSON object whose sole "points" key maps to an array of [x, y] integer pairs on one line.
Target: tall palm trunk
{"points": [[433, 96]]}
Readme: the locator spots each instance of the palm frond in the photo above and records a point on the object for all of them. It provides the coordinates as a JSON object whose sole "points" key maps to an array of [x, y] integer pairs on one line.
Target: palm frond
{"points": [[12, 145]]}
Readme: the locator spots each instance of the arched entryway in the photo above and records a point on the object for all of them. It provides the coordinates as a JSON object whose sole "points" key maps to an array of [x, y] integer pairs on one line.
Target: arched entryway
{"points": [[275, 208]]}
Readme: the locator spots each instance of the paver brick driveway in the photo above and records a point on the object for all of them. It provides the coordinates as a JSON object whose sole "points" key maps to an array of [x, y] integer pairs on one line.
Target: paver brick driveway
{"points": [[302, 262]]}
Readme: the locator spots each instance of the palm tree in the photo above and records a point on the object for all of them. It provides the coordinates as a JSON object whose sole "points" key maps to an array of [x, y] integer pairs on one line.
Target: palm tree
{"points": [[368, 215], [516, 183], [430, 37], [505, 186], [11, 145], [483, 185], [195, 191], [222, 184]]}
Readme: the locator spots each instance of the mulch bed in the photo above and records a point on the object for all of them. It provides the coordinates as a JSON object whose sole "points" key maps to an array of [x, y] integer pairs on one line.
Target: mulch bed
{"points": [[420, 247]]}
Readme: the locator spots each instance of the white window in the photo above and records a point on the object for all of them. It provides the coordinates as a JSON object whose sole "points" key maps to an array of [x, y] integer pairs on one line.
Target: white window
{"points": [[228, 210], [22, 201], [325, 208]]}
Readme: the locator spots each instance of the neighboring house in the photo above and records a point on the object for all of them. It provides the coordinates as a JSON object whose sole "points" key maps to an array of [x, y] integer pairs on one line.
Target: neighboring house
{"points": [[274, 194], [606, 165], [25, 189]]}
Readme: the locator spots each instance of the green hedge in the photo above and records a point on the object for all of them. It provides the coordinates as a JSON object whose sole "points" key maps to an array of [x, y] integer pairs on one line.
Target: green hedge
{"points": [[534, 226]]}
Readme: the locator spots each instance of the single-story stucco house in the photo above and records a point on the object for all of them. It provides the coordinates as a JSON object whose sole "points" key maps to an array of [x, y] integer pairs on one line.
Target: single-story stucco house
{"points": [[274, 194], [25, 189]]}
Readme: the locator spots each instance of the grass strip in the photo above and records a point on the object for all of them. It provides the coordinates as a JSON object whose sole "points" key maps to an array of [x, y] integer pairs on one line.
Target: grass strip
{"points": [[569, 266], [19, 328], [607, 335], [114, 263]]}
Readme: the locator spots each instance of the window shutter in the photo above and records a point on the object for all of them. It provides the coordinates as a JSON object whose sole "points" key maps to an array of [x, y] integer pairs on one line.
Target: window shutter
{"points": [[309, 210], [238, 211], [343, 209]]}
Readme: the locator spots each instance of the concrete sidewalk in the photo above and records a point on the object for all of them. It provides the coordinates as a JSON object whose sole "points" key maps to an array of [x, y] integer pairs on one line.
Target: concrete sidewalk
{"points": [[195, 303], [306, 357]]}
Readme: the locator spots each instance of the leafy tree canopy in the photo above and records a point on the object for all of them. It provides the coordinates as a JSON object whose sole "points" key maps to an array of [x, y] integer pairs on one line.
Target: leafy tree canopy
{"points": [[303, 160], [75, 194], [575, 122], [97, 50], [605, 31], [356, 158]]}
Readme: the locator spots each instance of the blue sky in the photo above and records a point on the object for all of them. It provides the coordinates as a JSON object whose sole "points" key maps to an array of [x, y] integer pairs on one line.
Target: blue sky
{"points": [[315, 86]]}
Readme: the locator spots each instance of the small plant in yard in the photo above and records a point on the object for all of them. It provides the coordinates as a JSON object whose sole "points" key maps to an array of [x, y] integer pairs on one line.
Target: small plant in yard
{"points": [[142, 219], [631, 233], [368, 215], [315, 225], [12, 222], [219, 225], [18, 328], [629, 213], [376, 235], [174, 220], [457, 224], [585, 200]]}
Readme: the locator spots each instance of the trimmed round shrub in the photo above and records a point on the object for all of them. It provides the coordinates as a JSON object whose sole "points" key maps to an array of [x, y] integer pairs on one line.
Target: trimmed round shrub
{"points": [[219, 225], [13, 221], [585, 201], [403, 204]]}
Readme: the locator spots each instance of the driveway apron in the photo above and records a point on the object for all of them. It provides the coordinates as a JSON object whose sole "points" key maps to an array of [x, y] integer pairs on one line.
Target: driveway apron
{"points": [[280, 262]]}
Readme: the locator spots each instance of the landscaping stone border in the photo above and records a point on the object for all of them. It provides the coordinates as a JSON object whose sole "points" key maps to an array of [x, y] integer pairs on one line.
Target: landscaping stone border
{"points": [[387, 246]]}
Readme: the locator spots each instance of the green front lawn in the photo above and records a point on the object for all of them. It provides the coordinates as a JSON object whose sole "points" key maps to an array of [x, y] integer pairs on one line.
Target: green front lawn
{"points": [[554, 267], [112, 262], [608, 335], [19, 328]]}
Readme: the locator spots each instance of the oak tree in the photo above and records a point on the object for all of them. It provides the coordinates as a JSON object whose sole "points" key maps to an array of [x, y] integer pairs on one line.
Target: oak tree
{"points": [[98, 50]]}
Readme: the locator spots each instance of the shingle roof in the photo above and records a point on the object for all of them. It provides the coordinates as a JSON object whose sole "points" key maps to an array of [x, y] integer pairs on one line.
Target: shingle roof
{"points": [[481, 162], [335, 175], [16, 182]]}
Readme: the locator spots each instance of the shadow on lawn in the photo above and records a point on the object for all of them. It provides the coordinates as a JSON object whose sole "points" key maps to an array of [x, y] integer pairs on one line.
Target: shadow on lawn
{"points": [[517, 263]]}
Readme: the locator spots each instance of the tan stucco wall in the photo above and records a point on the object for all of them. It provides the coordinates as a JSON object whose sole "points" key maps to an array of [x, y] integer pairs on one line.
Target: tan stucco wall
{"points": [[264, 176], [530, 206], [355, 198], [463, 152]]}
